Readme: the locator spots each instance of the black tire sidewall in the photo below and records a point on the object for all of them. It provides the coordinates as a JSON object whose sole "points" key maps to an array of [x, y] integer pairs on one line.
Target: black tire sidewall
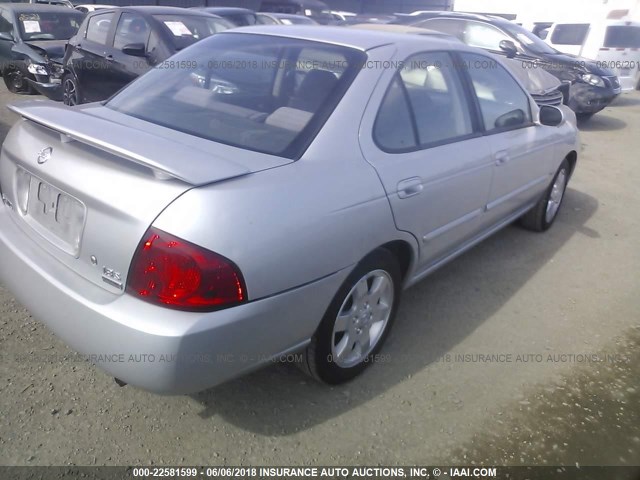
{"points": [[563, 166], [326, 369]]}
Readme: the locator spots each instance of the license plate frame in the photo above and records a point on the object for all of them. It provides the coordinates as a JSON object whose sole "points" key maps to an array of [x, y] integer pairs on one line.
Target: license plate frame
{"points": [[55, 214]]}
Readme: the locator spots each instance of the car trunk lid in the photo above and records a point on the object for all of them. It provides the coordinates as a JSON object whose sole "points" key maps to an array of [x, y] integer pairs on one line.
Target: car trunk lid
{"points": [[86, 183]]}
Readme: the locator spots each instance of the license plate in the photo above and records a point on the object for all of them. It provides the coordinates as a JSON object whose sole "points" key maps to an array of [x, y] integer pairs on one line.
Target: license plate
{"points": [[56, 215]]}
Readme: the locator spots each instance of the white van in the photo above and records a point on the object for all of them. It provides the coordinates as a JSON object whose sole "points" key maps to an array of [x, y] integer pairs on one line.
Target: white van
{"points": [[615, 44]]}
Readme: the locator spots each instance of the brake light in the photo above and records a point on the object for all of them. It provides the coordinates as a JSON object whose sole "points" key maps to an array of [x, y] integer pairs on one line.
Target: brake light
{"points": [[172, 272]]}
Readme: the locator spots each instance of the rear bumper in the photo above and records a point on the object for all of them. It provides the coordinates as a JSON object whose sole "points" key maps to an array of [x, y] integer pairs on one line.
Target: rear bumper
{"points": [[154, 348]]}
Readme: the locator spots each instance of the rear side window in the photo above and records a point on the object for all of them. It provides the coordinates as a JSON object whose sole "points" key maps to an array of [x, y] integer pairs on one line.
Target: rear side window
{"points": [[570, 33], [429, 91], [622, 36], [98, 28], [503, 103]]}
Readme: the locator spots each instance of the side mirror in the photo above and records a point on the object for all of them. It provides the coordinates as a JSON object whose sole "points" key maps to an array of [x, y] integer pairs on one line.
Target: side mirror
{"points": [[135, 50], [508, 47], [6, 36], [551, 116]]}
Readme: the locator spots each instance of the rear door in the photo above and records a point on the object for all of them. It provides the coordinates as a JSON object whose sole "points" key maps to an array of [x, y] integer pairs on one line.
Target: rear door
{"points": [[91, 60], [436, 167], [522, 151]]}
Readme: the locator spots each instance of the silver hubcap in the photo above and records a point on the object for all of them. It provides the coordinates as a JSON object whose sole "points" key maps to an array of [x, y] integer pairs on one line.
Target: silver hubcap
{"points": [[555, 198], [69, 93], [362, 319]]}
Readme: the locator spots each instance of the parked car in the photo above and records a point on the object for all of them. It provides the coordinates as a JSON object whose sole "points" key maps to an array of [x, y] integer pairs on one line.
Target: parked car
{"points": [[283, 19], [239, 17], [115, 46], [542, 86], [592, 87], [57, 3], [32, 42], [341, 15], [91, 7], [315, 9], [258, 215], [613, 44]]}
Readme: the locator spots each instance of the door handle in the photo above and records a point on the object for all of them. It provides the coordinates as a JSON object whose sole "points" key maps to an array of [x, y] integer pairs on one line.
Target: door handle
{"points": [[409, 187], [501, 157], [109, 58]]}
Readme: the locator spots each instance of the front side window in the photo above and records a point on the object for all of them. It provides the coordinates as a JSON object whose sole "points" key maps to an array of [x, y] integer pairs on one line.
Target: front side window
{"points": [[98, 28], [131, 29], [6, 25], [49, 25], [570, 33], [186, 30], [483, 36], [503, 103], [445, 25], [261, 93]]}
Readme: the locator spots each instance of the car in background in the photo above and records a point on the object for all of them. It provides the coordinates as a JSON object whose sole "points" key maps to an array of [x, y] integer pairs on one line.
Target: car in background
{"points": [[239, 17], [114, 47], [32, 43], [315, 9], [342, 16], [613, 44], [592, 87], [57, 3], [200, 255], [543, 87], [91, 7], [284, 19]]}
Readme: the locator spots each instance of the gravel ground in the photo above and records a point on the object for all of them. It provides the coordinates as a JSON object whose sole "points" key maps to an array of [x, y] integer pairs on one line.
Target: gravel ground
{"points": [[524, 351]]}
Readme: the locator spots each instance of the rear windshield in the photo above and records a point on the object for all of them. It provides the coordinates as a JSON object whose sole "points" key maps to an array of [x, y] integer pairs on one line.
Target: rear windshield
{"points": [[49, 25], [261, 93], [570, 34], [186, 30], [622, 36]]}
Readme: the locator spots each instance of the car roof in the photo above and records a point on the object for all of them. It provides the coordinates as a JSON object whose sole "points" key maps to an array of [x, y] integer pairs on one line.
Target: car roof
{"points": [[37, 7], [359, 39], [222, 10], [158, 10], [393, 28], [461, 15]]}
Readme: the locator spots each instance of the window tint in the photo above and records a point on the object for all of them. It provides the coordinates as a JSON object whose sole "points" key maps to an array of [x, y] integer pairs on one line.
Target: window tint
{"points": [[98, 28], [48, 25], [502, 101], [483, 36], [451, 27], [132, 28], [186, 30], [393, 129], [275, 103], [6, 25], [622, 37], [428, 89], [570, 33]]}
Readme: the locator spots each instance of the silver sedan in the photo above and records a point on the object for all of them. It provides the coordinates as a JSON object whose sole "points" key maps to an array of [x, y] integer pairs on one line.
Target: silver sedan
{"points": [[272, 191]]}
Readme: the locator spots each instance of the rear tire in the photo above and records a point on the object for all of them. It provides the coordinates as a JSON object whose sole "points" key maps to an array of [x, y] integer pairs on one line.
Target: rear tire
{"points": [[357, 321], [543, 214], [70, 90]]}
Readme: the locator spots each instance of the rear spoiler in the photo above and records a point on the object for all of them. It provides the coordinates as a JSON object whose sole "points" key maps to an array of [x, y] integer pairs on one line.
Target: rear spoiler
{"points": [[166, 158]]}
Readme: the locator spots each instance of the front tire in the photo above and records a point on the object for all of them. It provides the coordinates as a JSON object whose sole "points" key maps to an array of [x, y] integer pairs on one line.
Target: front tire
{"points": [[15, 81], [357, 322], [543, 214]]}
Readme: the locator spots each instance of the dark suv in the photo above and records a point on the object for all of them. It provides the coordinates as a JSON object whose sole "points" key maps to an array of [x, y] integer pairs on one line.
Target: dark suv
{"points": [[591, 88], [115, 46]]}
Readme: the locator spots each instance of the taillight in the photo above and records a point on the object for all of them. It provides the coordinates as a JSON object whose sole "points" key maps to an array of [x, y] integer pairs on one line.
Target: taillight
{"points": [[172, 272]]}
